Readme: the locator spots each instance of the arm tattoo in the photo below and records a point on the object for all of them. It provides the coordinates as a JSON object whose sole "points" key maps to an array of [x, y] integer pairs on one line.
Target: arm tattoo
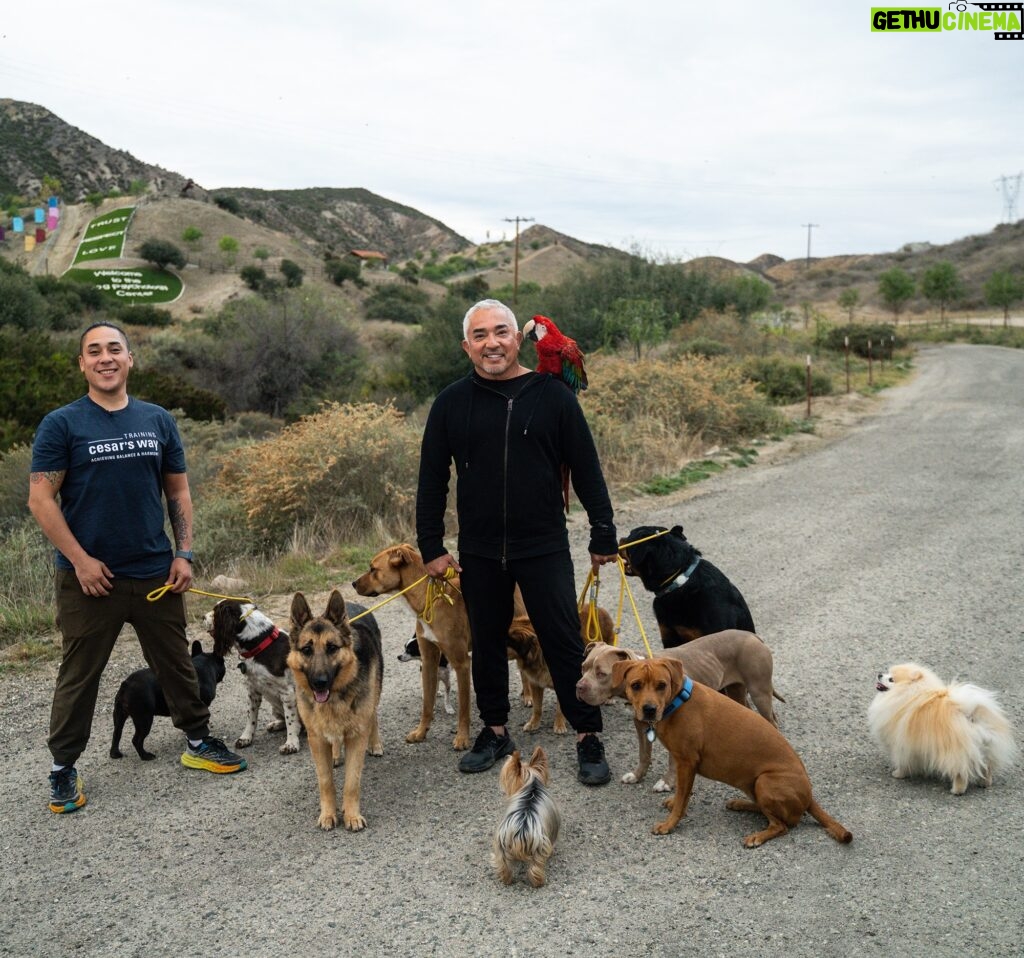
{"points": [[179, 524], [55, 479]]}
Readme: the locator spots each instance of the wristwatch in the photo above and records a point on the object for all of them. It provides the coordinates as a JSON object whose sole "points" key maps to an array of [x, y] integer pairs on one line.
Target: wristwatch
{"points": [[183, 554]]}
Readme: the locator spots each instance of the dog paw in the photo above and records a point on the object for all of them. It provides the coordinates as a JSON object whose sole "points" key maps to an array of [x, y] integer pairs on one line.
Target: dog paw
{"points": [[147, 756], [898, 773], [448, 708], [289, 748], [327, 820], [460, 743], [531, 726], [376, 750], [276, 726], [630, 778], [662, 828], [560, 729], [243, 742], [418, 734], [661, 786], [355, 823]]}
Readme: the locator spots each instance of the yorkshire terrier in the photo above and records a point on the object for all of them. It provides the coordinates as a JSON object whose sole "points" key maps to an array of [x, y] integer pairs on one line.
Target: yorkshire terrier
{"points": [[528, 832]]}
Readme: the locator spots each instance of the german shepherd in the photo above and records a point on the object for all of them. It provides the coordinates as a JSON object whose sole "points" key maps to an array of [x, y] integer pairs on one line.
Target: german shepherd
{"points": [[338, 669]]}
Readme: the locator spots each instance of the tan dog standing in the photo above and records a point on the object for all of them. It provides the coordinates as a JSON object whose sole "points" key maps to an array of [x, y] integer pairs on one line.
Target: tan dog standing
{"points": [[338, 669], [524, 648], [709, 734], [736, 662], [396, 568]]}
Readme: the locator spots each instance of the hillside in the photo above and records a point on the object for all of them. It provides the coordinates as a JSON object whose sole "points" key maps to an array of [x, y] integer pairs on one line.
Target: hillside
{"points": [[306, 225]]}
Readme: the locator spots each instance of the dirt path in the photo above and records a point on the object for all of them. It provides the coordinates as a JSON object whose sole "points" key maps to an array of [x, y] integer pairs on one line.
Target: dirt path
{"points": [[900, 540]]}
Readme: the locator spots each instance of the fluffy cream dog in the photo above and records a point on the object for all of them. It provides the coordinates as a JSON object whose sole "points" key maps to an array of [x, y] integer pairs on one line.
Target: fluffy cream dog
{"points": [[955, 731]]}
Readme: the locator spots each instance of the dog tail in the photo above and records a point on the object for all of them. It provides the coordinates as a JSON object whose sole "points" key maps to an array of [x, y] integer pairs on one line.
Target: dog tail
{"points": [[983, 711], [837, 831]]}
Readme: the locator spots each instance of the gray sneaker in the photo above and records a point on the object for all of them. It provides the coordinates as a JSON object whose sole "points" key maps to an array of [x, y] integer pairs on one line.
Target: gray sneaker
{"points": [[487, 749]]}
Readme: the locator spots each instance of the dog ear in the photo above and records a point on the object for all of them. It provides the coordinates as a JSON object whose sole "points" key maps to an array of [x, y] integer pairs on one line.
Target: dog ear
{"points": [[300, 612], [620, 672], [336, 611], [676, 670], [539, 763], [399, 556], [677, 531], [197, 648]]}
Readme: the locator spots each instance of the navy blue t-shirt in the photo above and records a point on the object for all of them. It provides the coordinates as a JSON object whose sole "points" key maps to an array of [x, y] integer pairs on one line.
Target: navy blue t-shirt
{"points": [[112, 494]]}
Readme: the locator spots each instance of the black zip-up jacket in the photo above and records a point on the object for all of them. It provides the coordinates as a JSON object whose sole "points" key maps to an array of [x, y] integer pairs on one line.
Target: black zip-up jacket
{"points": [[508, 439]]}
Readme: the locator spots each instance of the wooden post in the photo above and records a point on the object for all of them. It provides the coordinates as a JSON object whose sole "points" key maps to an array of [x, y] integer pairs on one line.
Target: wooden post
{"points": [[871, 379], [846, 351], [808, 385]]}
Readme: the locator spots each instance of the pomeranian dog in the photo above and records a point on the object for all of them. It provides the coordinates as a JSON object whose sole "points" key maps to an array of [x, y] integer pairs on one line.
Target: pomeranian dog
{"points": [[957, 731], [528, 832]]}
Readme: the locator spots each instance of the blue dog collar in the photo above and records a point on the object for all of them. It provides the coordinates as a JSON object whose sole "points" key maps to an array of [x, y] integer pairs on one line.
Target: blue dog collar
{"points": [[680, 580], [683, 696]]}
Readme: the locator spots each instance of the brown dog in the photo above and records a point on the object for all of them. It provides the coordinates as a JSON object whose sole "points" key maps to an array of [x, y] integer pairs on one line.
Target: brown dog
{"points": [[710, 734], [396, 568], [733, 661], [338, 669], [524, 649]]}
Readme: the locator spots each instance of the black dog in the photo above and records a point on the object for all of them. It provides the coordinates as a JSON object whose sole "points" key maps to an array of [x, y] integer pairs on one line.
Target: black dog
{"points": [[692, 597], [140, 698]]}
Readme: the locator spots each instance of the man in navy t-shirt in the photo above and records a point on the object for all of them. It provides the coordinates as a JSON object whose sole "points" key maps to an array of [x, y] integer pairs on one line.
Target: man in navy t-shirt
{"points": [[102, 468]]}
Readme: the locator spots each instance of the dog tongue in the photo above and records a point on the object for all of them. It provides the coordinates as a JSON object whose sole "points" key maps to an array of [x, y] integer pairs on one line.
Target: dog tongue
{"points": [[881, 688], [322, 696]]}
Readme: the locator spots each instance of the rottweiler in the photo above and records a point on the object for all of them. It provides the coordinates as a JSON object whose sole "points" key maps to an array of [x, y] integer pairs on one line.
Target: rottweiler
{"points": [[692, 597]]}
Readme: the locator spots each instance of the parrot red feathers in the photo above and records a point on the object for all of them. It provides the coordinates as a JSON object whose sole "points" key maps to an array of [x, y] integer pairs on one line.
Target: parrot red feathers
{"points": [[557, 353]]}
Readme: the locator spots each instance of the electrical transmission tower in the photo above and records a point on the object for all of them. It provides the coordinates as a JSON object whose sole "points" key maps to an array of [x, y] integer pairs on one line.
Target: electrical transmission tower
{"points": [[1010, 187]]}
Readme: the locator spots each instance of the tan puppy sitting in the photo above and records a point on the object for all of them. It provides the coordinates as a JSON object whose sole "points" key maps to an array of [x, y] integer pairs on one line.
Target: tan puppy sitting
{"points": [[709, 734]]}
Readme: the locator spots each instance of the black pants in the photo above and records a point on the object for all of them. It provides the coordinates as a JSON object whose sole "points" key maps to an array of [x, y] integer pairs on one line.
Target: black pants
{"points": [[549, 591]]}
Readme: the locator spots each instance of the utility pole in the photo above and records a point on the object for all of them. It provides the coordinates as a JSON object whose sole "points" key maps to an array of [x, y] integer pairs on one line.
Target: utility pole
{"points": [[1011, 187], [810, 226], [515, 269]]}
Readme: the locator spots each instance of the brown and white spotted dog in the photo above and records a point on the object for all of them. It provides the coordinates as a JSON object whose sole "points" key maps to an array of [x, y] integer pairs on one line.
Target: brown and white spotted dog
{"points": [[263, 648]]}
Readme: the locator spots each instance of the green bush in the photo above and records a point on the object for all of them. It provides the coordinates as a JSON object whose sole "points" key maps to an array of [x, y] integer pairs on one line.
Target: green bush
{"points": [[702, 346], [785, 381], [399, 303], [859, 335], [229, 203], [142, 314], [162, 253]]}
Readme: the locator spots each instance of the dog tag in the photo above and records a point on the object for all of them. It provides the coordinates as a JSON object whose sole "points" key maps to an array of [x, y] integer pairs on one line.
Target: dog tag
{"points": [[651, 734]]}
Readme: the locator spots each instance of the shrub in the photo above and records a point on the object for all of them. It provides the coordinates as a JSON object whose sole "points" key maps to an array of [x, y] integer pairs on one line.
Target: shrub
{"points": [[341, 270], [253, 276], [399, 303], [143, 314], [292, 273], [702, 346], [859, 335], [785, 381], [229, 203], [342, 470], [162, 253]]}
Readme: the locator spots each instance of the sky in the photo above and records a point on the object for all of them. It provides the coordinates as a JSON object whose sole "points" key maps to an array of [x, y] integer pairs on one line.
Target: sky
{"points": [[666, 127]]}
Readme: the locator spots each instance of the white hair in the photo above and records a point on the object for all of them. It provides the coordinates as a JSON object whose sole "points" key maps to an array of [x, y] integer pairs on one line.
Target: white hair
{"points": [[489, 304]]}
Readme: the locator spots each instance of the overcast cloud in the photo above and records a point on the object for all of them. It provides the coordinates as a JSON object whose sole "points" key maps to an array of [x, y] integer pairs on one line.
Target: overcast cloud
{"points": [[678, 128]]}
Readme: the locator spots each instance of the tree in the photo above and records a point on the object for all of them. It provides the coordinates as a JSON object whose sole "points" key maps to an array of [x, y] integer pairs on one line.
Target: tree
{"points": [[261, 253], [94, 199], [848, 300], [192, 235], [746, 294], [162, 254], [640, 322], [895, 287], [1003, 289], [292, 273], [941, 284], [228, 245], [253, 277]]}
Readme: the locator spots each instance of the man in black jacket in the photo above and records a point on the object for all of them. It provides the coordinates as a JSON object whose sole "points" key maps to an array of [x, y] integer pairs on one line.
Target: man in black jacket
{"points": [[509, 430]]}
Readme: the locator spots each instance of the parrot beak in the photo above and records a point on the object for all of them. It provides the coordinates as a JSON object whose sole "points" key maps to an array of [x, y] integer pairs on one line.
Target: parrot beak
{"points": [[528, 330]]}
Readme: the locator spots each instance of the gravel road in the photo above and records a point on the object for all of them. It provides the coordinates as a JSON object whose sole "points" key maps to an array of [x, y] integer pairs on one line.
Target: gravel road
{"points": [[900, 540]]}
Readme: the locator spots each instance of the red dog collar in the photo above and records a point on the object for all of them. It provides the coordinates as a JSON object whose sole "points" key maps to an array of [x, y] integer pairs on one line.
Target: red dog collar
{"points": [[250, 653]]}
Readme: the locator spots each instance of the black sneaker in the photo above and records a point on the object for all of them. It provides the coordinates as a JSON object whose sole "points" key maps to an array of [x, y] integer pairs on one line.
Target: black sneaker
{"points": [[212, 755], [487, 749], [66, 793], [593, 768]]}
